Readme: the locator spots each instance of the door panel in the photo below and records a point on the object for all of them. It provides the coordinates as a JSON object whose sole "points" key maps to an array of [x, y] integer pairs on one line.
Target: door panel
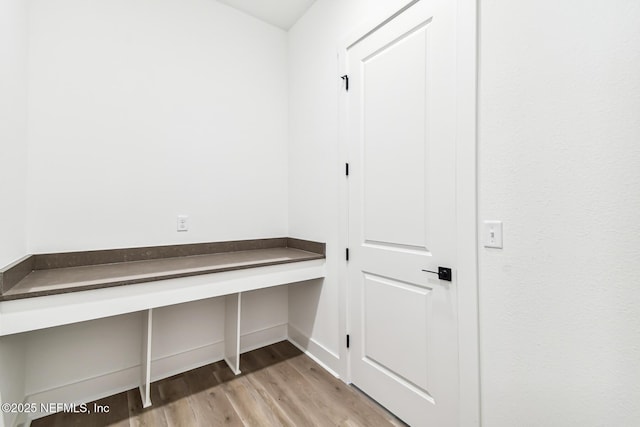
{"points": [[394, 143], [401, 124], [389, 330]]}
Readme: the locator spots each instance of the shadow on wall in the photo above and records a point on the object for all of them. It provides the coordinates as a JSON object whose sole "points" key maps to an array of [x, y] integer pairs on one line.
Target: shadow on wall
{"points": [[304, 298]]}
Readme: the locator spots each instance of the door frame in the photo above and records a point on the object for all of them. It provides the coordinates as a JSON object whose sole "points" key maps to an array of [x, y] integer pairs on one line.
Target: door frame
{"points": [[466, 202]]}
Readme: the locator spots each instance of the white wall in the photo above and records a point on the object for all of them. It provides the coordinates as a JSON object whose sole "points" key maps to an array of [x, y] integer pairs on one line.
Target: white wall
{"points": [[139, 111], [85, 361], [142, 110], [12, 366], [13, 131], [560, 165], [315, 165], [558, 158], [73, 354], [13, 178]]}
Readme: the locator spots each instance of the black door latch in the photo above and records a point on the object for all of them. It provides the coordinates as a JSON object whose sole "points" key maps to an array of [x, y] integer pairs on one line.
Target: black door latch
{"points": [[443, 273]]}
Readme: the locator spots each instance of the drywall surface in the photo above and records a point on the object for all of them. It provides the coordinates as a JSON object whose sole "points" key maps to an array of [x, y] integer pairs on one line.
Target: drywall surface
{"points": [[13, 129], [559, 161], [71, 354], [140, 111], [12, 366], [84, 361], [315, 163]]}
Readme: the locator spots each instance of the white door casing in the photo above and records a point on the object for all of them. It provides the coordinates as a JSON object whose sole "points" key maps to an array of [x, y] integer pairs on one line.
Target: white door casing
{"points": [[401, 137]]}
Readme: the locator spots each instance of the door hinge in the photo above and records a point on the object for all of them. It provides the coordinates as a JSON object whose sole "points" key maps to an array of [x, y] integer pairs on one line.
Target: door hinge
{"points": [[347, 254], [347, 340], [346, 169], [345, 78]]}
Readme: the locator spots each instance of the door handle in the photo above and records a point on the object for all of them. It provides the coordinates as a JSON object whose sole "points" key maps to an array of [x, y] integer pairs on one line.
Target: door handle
{"points": [[443, 273]]}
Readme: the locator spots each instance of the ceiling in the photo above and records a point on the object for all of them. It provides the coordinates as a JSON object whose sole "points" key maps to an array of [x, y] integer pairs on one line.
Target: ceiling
{"points": [[281, 13]]}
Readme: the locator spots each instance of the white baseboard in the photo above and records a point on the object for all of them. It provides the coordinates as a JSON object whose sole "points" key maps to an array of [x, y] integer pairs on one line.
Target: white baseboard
{"points": [[88, 389], [101, 386], [175, 364], [316, 351], [257, 339]]}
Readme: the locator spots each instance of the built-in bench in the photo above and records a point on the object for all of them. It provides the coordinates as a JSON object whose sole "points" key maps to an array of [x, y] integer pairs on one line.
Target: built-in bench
{"points": [[46, 290]]}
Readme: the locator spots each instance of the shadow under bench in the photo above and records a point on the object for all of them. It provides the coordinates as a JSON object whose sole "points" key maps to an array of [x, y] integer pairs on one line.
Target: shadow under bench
{"points": [[46, 290]]}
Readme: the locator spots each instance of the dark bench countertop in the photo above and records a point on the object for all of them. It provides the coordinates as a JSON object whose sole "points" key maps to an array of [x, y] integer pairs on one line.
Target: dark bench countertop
{"points": [[40, 275]]}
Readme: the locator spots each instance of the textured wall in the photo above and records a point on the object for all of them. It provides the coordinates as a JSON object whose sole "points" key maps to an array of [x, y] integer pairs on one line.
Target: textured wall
{"points": [[560, 165], [142, 110], [139, 111], [315, 165], [13, 129], [558, 159]]}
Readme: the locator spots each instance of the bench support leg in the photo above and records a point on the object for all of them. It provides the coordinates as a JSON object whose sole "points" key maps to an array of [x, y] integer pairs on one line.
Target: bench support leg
{"points": [[232, 331], [145, 365]]}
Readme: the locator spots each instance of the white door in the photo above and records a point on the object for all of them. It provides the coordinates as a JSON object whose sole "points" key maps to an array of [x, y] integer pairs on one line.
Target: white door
{"points": [[401, 136]]}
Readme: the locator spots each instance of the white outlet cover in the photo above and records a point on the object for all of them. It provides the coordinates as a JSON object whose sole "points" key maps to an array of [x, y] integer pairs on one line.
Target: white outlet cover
{"points": [[493, 234], [183, 223]]}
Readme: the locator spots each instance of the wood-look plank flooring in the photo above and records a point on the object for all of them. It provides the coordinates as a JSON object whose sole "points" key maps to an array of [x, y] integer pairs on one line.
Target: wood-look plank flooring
{"points": [[279, 386]]}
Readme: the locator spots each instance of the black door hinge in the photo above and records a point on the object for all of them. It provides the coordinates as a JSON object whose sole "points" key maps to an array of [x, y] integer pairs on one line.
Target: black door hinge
{"points": [[347, 254], [346, 82], [347, 340], [346, 169]]}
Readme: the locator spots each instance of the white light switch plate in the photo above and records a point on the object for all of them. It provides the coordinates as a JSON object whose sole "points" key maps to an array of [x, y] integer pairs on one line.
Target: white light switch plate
{"points": [[493, 234]]}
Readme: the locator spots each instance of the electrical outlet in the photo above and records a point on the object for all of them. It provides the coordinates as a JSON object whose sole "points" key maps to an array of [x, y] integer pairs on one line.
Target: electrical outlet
{"points": [[493, 234], [183, 223]]}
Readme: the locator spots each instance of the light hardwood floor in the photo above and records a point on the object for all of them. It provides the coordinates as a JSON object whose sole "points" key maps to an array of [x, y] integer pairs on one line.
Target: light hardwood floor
{"points": [[279, 386]]}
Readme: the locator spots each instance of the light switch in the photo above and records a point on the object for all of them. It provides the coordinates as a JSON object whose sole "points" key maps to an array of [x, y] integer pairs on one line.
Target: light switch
{"points": [[183, 223], [493, 234]]}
